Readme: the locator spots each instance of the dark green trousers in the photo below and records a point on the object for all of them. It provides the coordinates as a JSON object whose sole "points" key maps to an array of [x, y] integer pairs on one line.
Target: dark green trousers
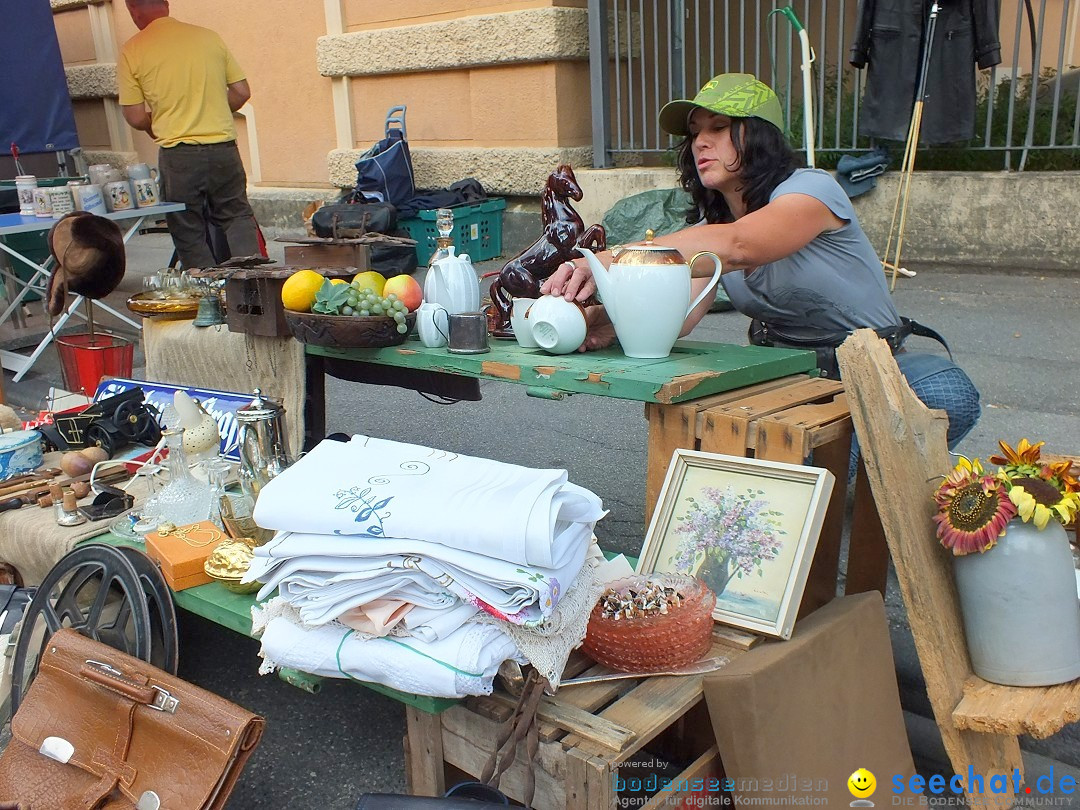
{"points": [[210, 177]]}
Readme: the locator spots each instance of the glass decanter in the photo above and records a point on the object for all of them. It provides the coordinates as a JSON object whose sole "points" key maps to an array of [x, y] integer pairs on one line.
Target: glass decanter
{"points": [[184, 499]]}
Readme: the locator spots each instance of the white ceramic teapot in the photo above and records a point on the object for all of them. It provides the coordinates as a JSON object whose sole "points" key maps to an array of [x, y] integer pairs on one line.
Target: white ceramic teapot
{"points": [[452, 282], [645, 293]]}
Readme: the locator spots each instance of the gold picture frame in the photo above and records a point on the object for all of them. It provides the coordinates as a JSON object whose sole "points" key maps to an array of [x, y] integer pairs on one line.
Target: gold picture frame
{"points": [[748, 528]]}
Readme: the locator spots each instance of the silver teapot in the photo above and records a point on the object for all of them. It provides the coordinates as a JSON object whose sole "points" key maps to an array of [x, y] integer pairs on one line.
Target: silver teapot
{"points": [[263, 446]]}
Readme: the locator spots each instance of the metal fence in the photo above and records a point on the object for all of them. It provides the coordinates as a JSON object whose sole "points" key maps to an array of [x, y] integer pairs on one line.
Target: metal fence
{"points": [[646, 52]]}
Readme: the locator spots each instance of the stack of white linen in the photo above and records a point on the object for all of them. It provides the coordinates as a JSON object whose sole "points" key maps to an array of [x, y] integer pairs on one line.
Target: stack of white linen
{"points": [[387, 538]]}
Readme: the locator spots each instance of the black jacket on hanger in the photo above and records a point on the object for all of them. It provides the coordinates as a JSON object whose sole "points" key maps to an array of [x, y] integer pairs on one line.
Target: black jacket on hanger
{"points": [[889, 37]]}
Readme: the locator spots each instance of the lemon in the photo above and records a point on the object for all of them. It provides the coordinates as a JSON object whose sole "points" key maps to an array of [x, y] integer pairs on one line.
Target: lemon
{"points": [[298, 292], [338, 281], [370, 280]]}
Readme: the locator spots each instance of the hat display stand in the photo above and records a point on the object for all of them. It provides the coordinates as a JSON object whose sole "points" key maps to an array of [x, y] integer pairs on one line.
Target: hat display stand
{"points": [[87, 357]]}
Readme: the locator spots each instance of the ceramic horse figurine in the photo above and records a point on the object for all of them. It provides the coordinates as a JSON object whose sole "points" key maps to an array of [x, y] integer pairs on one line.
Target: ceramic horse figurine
{"points": [[563, 232]]}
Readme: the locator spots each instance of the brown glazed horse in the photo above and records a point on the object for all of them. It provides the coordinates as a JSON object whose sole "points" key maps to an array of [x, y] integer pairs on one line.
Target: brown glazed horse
{"points": [[563, 232]]}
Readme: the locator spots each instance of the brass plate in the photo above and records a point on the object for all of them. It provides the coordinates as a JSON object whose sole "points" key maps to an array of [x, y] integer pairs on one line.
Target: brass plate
{"points": [[153, 302]]}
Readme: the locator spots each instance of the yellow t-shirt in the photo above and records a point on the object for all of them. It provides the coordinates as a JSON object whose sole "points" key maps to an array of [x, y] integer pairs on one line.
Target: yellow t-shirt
{"points": [[180, 71]]}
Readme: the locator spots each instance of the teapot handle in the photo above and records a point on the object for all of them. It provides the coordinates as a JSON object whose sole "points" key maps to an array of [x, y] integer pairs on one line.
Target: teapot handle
{"points": [[719, 268]]}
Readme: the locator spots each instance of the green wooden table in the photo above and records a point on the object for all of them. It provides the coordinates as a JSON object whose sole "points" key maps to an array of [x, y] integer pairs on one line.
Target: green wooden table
{"points": [[694, 369]]}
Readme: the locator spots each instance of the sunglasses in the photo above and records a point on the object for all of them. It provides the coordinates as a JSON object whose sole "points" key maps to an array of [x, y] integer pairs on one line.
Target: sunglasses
{"points": [[110, 503]]}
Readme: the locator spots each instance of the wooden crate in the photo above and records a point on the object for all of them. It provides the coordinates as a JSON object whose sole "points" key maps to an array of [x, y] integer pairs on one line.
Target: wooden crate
{"points": [[788, 420], [253, 298], [329, 255], [588, 735]]}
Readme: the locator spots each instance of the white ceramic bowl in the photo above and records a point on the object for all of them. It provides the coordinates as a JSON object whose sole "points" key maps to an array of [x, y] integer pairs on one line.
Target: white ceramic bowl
{"points": [[519, 320], [558, 325]]}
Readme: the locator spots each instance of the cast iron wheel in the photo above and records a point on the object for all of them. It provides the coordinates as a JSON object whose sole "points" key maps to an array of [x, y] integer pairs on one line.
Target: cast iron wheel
{"points": [[99, 435], [60, 601]]}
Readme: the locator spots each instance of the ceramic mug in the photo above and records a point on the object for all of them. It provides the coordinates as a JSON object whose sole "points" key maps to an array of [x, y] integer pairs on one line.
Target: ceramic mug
{"points": [[146, 192], [558, 325], [432, 325], [61, 200], [24, 187], [99, 173], [42, 203], [118, 195], [90, 199], [140, 171], [519, 320]]}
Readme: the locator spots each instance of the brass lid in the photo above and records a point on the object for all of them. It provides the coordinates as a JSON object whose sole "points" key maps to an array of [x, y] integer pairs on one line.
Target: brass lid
{"points": [[647, 253], [230, 560]]}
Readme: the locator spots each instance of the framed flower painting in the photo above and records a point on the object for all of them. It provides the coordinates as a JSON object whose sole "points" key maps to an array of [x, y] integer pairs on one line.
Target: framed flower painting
{"points": [[747, 528]]}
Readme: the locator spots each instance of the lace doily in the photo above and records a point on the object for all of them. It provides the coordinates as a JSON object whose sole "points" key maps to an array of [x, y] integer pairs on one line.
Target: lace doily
{"points": [[548, 646]]}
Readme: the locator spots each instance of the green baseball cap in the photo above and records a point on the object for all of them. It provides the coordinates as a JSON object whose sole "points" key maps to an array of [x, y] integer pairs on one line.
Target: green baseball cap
{"points": [[738, 95]]}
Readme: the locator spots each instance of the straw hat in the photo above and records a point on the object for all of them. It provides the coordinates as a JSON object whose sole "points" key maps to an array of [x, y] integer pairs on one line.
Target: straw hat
{"points": [[90, 258]]}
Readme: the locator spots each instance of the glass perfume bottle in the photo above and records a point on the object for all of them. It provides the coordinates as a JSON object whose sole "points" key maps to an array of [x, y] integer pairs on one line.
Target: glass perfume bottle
{"points": [[444, 224], [184, 499]]}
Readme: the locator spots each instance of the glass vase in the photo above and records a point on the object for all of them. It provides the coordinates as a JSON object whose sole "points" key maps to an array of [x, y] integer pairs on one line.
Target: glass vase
{"points": [[184, 499]]}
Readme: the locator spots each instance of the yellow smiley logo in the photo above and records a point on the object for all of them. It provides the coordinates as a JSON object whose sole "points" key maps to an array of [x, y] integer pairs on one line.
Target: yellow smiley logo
{"points": [[862, 784]]}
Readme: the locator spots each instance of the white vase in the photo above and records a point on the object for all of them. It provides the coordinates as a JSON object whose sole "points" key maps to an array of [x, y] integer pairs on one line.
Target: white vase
{"points": [[1020, 607]]}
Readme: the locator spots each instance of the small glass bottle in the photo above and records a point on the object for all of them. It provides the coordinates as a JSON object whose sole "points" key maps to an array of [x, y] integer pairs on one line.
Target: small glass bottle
{"points": [[184, 499], [217, 471]]}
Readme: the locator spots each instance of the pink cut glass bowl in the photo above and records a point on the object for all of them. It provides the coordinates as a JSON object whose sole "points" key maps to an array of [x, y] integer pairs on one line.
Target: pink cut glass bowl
{"points": [[659, 642]]}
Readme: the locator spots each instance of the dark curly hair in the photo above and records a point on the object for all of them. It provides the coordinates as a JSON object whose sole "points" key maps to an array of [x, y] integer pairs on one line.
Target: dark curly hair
{"points": [[765, 160]]}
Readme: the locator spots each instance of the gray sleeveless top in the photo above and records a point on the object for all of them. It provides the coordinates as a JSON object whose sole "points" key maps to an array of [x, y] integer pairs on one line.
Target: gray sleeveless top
{"points": [[835, 283]]}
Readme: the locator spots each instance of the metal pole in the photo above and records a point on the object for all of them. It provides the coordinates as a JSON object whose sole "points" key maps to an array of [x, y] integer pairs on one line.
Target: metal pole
{"points": [[598, 84]]}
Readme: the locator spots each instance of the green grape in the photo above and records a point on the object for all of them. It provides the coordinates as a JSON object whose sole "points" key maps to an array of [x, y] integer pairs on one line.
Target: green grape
{"points": [[402, 329], [399, 317], [347, 310], [392, 297], [399, 306], [357, 313], [377, 309], [365, 312]]}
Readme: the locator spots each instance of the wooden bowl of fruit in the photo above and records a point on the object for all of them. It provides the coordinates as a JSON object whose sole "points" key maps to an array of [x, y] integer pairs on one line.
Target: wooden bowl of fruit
{"points": [[346, 317]]}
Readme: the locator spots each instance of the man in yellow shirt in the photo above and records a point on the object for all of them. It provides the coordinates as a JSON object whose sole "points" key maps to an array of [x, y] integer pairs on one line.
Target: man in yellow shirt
{"points": [[179, 83]]}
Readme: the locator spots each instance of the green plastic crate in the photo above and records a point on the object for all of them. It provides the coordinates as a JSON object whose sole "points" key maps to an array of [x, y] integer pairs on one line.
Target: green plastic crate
{"points": [[477, 231]]}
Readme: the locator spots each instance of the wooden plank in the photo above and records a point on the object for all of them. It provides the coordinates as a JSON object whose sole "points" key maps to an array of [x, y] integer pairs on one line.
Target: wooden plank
{"points": [[904, 445], [825, 568], [725, 433], [735, 637], [589, 782], [424, 756], [648, 709], [692, 371], [1039, 712], [704, 768], [671, 427], [579, 721], [868, 553]]}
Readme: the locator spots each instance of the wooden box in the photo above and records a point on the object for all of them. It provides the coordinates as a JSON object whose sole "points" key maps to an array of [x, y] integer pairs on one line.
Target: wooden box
{"points": [[329, 255], [181, 555], [799, 420], [253, 298], [602, 746]]}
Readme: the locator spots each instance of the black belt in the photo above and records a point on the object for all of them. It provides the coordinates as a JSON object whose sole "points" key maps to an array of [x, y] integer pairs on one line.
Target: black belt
{"points": [[196, 146]]}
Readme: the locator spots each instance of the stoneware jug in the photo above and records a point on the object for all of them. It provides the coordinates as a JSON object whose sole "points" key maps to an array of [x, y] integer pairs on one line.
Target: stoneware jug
{"points": [[645, 293], [452, 282]]}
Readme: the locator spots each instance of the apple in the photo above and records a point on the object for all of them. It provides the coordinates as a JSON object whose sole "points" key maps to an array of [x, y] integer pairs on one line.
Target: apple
{"points": [[406, 289]]}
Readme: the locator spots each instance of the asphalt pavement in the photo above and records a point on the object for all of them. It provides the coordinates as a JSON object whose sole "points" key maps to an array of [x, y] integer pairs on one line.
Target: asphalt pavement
{"points": [[1015, 334]]}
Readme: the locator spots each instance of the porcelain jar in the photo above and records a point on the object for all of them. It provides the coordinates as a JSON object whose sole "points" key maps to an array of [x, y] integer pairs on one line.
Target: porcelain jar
{"points": [[1020, 607]]}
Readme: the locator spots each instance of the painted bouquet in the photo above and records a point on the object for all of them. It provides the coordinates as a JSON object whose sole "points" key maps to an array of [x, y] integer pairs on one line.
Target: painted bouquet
{"points": [[974, 506], [728, 533]]}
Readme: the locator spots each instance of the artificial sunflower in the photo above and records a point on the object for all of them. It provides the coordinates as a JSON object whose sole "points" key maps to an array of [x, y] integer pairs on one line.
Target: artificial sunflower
{"points": [[1037, 500], [1060, 474], [973, 510]]}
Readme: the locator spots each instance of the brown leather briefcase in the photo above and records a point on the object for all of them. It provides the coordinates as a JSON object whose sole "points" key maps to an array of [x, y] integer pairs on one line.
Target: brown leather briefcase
{"points": [[100, 729]]}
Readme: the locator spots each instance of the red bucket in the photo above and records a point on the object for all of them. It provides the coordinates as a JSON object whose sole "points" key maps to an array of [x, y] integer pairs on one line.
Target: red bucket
{"points": [[85, 359]]}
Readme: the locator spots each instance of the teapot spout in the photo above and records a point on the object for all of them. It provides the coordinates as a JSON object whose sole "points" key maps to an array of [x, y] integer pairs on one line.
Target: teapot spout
{"points": [[599, 273]]}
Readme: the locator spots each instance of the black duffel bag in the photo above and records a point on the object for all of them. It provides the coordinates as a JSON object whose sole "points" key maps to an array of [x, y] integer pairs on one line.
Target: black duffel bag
{"points": [[340, 220]]}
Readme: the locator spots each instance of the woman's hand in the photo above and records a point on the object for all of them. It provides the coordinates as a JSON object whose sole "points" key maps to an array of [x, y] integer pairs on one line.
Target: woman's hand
{"points": [[572, 280], [600, 333]]}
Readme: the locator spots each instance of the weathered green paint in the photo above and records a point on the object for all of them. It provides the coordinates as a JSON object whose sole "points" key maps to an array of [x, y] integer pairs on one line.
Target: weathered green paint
{"points": [[301, 680], [233, 610], [694, 369]]}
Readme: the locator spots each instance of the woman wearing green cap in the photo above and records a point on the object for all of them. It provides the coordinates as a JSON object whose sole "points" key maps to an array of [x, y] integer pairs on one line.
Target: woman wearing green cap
{"points": [[795, 257]]}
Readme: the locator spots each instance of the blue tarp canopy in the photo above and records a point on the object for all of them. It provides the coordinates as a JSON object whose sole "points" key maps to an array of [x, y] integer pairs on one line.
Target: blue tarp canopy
{"points": [[35, 108]]}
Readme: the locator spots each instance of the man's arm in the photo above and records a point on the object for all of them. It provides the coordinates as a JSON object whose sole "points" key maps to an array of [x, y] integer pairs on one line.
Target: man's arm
{"points": [[138, 117], [239, 93]]}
